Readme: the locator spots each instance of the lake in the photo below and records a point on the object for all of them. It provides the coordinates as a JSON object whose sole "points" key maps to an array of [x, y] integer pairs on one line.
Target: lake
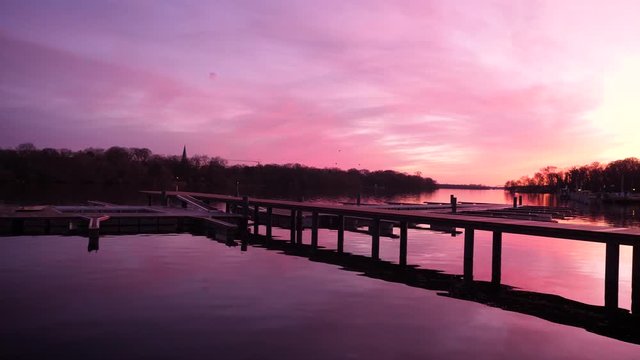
{"points": [[185, 296]]}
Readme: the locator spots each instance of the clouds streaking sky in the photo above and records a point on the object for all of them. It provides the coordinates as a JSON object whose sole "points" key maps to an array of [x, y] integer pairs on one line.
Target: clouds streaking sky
{"points": [[463, 91]]}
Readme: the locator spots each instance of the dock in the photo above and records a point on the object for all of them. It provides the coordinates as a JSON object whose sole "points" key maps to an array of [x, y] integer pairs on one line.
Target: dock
{"points": [[241, 217], [613, 238]]}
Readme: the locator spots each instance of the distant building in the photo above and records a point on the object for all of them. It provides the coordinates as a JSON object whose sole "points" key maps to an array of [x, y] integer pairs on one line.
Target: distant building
{"points": [[184, 155]]}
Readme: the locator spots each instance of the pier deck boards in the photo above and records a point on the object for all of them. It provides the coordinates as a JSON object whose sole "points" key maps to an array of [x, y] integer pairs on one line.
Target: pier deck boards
{"points": [[602, 234]]}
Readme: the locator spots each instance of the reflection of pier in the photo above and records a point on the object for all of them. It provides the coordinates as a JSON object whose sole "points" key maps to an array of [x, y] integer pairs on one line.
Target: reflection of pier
{"points": [[618, 324], [613, 238]]}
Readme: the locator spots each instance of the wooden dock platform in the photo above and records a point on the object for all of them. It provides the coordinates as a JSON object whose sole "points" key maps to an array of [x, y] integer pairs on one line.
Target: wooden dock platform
{"points": [[102, 218], [193, 212], [613, 238]]}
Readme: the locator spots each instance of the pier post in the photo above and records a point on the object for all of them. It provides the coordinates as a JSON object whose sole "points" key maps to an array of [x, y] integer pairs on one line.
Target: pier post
{"points": [[520, 200], [245, 218], [468, 255], [256, 220], [375, 239], [314, 229], [403, 243], [300, 226], [515, 201], [292, 224], [635, 280], [496, 259], [340, 233], [454, 204], [611, 274], [269, 220]]}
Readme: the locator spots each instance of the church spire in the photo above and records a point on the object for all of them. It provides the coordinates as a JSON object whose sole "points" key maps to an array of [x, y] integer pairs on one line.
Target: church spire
{"points": [[184, 154]]}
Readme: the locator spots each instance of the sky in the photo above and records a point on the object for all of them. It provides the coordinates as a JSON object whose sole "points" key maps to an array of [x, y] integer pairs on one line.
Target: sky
{"points": [[461, 91]]}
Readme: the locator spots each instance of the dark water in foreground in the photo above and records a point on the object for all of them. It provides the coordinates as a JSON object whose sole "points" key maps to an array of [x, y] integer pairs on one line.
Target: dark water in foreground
{"points": [[185, 296]]}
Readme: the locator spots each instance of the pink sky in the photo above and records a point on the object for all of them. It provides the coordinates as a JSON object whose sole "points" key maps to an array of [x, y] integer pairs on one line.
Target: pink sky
{"points": [[475, 91]]}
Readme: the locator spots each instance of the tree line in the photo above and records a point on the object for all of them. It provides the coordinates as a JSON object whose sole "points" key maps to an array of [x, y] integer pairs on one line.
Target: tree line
{"points": [[616, 176], [139, 168]]}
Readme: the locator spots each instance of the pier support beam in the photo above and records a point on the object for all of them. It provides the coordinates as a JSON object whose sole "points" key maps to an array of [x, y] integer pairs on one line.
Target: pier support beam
{"points": [[269, 219], [611, 275], [468, 255], [340, 233], [292, 224], [375, 239], [314, 229], [245, 219], [403, 243], [256, 220], [300, 226], [635, 281], [496, 259]]}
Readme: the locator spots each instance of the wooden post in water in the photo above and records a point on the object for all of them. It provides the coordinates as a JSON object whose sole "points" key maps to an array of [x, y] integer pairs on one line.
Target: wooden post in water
{"points": [[611, 275], [454, 204], [468, 255], [520, 200], [300, 229], [515, 201], [375, 239], [496, 259], [403, 243], [635, 281], [314, 229], [269, 220], [256, 220], [245, 218], [292, 224], [340, 233]]}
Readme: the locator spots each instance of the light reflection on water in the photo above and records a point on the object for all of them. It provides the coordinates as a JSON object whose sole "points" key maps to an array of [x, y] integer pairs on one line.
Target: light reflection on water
{"points": [[186, 296]]}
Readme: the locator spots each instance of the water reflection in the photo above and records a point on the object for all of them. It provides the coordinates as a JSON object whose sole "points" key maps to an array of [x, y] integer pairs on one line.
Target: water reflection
{"points": [[94, 243], [618, 324]]}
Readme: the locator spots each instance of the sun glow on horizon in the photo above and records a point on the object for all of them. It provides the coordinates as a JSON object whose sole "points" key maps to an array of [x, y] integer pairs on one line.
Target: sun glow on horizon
{"points": [[618, 116]]}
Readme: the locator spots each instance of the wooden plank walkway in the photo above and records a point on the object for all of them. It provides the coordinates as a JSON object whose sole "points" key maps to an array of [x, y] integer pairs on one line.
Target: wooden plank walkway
{"points": [[602, 234]]}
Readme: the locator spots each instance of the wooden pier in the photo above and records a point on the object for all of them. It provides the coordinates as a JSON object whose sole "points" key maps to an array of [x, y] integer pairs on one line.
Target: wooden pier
{"points": [[613, 238], [193, 212], [101, 218]]}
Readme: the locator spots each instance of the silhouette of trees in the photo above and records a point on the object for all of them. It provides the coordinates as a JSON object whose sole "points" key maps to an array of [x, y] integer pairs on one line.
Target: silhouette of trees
{"points": [[616, 176], [139, 168]]}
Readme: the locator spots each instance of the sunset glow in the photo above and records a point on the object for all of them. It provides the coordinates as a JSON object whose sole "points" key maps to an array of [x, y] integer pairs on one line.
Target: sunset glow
{"points": [[464, 92]]}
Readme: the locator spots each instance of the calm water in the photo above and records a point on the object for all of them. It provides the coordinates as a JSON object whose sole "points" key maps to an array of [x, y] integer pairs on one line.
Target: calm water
{"points": [[185, 296]]}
